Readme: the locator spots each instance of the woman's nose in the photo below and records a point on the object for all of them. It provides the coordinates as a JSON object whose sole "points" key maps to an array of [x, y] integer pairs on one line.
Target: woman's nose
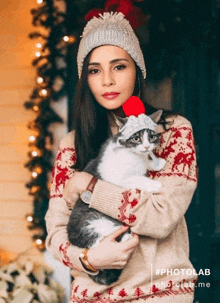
{"points": [[108, 79]]}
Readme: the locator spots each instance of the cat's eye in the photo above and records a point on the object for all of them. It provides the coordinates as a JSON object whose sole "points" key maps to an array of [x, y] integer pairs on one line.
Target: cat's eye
{"points": [[135, 139], [152, 137]]}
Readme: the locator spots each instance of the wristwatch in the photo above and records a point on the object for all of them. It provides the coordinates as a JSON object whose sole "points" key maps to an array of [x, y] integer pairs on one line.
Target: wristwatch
{"points": [[85, 263], [86, 195]]}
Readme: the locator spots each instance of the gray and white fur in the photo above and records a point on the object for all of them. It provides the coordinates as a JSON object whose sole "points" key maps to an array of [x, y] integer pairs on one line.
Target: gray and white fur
{"points": [[123, 162]]}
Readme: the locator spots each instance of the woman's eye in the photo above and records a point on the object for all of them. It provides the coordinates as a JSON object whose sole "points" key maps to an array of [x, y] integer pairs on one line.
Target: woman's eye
{"points": [[120, 67], [93, 71]]}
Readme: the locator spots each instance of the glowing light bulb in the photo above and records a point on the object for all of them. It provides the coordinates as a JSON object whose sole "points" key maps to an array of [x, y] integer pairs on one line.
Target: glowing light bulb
{"points": [[38, 45], [40, 80], [30, 218], [66, 38], [44, 92], [34, 189], [69, 39], [38, 54], [34, 174], [38, 169], [39, 241], [40, 1], [32, 138], [72, 39], [34, 153], [35, 108]]}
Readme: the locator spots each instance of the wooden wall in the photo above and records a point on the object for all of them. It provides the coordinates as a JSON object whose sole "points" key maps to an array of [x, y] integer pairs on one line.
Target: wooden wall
{"points": [[17, 78]]}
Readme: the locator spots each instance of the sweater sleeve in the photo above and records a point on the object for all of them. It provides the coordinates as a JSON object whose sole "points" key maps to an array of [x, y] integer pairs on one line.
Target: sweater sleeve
{"points": [[58, 213], [156, 214]]}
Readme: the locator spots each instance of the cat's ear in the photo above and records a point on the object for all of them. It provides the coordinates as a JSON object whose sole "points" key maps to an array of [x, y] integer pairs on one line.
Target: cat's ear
{"points": [[120, 142], [156, 115], [121, 121]]}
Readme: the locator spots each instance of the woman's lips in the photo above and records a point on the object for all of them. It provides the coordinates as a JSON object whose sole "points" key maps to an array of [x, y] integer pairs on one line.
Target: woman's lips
{"points": [[111, 95]]}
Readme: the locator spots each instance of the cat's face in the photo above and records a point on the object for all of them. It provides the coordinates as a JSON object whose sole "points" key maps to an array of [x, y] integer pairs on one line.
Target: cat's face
{"points": [[141, 142]]}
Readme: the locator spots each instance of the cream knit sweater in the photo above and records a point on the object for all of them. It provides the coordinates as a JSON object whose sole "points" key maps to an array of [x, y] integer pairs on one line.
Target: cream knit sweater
{"points": [[159, 270]]}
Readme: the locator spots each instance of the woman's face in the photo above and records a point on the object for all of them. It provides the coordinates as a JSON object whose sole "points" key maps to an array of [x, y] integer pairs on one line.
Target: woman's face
{"points": [[111, 76]]}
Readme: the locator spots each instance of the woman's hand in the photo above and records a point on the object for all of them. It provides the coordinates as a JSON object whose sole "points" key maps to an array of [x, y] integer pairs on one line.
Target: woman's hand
{"points": [[75, 186], [112, 254]]}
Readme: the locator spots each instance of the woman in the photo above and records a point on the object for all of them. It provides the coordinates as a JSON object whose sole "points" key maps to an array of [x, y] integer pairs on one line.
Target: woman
{"points": [[155, 260]]}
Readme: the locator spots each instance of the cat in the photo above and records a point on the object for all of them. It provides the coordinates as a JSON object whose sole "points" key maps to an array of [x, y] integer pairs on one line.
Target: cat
{"points": [[124, 160]]}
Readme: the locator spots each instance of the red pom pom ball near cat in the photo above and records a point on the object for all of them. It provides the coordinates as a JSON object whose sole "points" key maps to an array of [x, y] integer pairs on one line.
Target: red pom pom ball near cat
{"points": [[133, 107]]}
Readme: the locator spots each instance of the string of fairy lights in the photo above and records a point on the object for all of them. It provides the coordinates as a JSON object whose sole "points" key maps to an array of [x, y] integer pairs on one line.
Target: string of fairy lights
{"points": [[50, 49]]}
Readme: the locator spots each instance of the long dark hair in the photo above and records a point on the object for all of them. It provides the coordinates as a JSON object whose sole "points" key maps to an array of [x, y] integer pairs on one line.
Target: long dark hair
{"points": [[90, 119]]}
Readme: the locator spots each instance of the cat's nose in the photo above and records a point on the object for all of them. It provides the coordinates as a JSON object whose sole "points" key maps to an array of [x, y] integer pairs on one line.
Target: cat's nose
{"points": [[147, 147]]}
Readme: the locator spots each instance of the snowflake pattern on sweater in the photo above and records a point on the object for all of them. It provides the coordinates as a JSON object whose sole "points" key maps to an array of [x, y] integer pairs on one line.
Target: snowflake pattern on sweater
{"points": [[179, 154], [62, 172]]}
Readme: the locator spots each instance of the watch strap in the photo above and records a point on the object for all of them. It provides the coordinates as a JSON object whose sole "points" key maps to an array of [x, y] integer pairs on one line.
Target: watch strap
{"points": [[83, 257], [92, 184]]}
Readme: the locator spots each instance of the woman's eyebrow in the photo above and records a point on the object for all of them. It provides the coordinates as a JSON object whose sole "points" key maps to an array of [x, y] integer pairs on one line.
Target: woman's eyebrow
{"points": [[112, 61]]}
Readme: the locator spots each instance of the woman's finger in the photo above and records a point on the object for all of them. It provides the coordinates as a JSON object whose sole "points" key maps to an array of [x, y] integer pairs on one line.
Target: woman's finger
{"points": [[118, 232], [131, 243]]}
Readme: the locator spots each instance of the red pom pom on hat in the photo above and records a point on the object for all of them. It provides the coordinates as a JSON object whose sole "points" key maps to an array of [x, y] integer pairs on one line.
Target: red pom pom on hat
{"points": [[133, 107]]}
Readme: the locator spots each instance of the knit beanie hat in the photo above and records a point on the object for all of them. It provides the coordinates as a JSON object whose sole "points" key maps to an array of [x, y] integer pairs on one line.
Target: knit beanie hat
{"points": [[110, 28], [135, 124]]}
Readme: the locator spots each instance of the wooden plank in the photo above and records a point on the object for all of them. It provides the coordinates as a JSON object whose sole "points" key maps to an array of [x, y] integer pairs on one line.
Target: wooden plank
{"points": [[16, 59], [15, 227], [15, 209], [14, 172], [14, 244], [15, 133], [20, 77], [16, 115], [13, 191], [14, 153], [15, 97]]}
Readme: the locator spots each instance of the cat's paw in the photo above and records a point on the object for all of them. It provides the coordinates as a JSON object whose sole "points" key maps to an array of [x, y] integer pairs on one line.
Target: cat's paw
{"points": [[126, 236], [160, 164], [155, 186]]}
